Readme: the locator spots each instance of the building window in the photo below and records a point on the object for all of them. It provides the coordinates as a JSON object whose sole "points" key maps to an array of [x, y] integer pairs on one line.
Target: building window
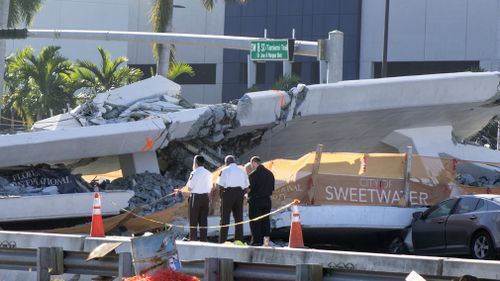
{"points": [[405, 68], [261, 73], [314, 72], [147, 69], [204, 73], [297, 68]]}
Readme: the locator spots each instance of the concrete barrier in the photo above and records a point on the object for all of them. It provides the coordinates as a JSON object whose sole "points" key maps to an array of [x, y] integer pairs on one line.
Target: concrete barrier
{"points": [[481, 269], [355, 261]]}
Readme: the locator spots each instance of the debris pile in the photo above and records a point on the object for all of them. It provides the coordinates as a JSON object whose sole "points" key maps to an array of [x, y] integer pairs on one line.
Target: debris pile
{"points": [[94, 113], [151, 191], [40, 180], [482, 181], [188, 129]]}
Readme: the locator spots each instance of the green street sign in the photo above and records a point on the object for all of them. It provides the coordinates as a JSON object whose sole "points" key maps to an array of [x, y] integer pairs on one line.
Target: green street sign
{"points": [[272, 50]]}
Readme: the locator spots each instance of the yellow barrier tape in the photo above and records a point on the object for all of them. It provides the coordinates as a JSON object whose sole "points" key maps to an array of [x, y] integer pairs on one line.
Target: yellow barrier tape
{"points": [[201, 227], [210, 226]]}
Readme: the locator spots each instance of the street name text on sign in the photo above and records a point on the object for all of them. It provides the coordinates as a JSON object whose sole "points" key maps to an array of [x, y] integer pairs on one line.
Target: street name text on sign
{"points": [[271, 49]]}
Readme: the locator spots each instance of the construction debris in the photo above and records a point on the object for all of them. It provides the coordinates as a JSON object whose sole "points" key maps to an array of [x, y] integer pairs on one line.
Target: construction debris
{"points": [[191, 128], [482, 181], [151, 191]]}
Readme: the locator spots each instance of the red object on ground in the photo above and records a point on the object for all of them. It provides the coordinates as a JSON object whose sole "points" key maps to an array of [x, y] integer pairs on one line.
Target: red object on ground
{"points": [[97, 226], [163, 275]]}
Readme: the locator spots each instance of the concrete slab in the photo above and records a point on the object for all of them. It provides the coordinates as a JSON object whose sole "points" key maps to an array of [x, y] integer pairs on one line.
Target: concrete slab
{"points": [[50, 207], [344, 116], [348, 217], [83, 142], [58, 122], [429, 141], [144, 89], [261, 108]]}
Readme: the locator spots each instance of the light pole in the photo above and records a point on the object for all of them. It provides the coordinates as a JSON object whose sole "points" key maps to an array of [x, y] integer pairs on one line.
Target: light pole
{"points": [[383, 72]]}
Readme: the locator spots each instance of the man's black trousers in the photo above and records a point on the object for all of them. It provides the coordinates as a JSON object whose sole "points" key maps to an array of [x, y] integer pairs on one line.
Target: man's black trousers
{"points": [[232, 201], [198, 213], [260, 228]]}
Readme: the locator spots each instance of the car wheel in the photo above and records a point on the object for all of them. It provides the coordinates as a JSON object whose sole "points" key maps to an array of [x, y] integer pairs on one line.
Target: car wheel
{"points": [[398, 246], [482, 246]]}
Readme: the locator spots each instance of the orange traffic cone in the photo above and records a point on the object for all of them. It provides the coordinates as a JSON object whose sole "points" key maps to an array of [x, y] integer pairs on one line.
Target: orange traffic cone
{"points": [[295, 240], [97, 226]]}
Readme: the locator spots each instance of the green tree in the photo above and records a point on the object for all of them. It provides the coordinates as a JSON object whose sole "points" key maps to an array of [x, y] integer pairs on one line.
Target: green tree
{"points": [[286, 82], [13, 13], [38, 86], [112, 73], [177, 69], [161, 15], [22, 11]]}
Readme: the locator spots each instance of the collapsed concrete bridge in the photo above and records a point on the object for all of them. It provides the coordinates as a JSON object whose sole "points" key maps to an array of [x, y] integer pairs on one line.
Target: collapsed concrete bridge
{"points": [[430, 112]]}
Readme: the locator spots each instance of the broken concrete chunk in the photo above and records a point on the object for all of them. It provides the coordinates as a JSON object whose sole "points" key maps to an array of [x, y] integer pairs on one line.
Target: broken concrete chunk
{"points": [[150, 191], [148, 88], [50, 190], [261, 108]]}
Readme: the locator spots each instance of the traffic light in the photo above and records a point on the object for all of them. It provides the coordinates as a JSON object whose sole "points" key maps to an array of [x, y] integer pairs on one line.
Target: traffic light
{"points": [[13, 33]]}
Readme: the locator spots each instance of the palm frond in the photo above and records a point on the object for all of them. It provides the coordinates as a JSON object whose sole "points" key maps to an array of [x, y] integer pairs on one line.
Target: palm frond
{"points": [[208, 4], [22, 11], [178, 69]]}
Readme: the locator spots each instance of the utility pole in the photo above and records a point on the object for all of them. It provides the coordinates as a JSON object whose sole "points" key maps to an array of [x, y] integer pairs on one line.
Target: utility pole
{"points": [[383, 72]]}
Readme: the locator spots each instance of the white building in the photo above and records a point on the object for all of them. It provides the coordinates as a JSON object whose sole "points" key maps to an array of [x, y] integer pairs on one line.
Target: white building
{"points": [[426, 35], [132, 15]]}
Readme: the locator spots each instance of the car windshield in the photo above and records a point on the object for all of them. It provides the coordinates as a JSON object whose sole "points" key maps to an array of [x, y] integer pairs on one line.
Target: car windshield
{"points": [[496, 200]]}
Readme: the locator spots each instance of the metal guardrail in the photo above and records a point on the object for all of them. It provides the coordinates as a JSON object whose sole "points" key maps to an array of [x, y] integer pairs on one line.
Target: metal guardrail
{"points": [[270, 272], [55, 261], [280, 263]]}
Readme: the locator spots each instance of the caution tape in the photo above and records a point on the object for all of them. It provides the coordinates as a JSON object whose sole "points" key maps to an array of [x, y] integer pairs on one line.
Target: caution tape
{"points": [[210, 226], [201, 227]]}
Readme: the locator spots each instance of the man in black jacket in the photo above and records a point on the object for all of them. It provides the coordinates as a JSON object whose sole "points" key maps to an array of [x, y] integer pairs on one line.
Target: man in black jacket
{"points": [[259, 200]]}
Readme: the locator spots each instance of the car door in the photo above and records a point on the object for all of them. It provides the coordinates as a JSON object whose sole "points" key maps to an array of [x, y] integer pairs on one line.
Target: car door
{"points": [[462, 222], [429, 230]]}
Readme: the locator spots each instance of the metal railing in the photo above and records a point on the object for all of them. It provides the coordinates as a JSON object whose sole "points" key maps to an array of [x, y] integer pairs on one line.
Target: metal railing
{"points": [[55, 261], [214, 269]]}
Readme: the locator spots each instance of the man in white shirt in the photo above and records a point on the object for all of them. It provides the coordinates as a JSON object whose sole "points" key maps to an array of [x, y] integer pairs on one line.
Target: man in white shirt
{"points": [[199, 184], [232, 182]]}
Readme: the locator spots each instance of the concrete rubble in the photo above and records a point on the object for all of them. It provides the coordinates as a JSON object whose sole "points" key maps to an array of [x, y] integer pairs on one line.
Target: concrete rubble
{"points": [[150, 119], [209, 130], [481, 181], [151, 191]]}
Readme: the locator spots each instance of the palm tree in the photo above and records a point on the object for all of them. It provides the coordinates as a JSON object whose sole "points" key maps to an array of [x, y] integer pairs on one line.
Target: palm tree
{"points": [[177, 69], [161, 17], [13, 13], [110, 74], [286, 82], [36, 87], [22, 11]]}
